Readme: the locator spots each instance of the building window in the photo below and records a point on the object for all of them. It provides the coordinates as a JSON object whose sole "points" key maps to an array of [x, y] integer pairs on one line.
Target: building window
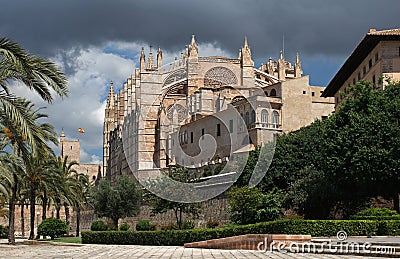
{"points": [[359, 76], [364, 70], [354, 81], [94, 177], [247, 118], [272, 93], [304, 92], [377, 57], [370, 63], [231, 126], [191, 137], [275, 119], [253, 116], [218, 129], [264, 118], [312, 93], [373, 80], [71, 147], [202, 133]]}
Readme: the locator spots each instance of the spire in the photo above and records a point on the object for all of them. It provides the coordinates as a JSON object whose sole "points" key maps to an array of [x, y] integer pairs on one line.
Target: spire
{"points": [[297, 67], [193, 49], [245, 42], [246, 55], [142, 60], [111, 96], [193, 42], [240, 54], [150, 64], [281, 67], [62, 136], [159, 58]]}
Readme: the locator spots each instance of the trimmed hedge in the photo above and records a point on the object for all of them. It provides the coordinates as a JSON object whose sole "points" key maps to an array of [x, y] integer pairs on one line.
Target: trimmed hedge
{"points": [[377, 214], [305, 227], [98, 225], [145, 225]]}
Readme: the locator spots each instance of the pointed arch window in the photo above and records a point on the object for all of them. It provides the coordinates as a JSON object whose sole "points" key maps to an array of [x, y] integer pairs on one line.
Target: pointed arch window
{"points": [[264, 118], [253, 116], [272, 93], [275, 119]]}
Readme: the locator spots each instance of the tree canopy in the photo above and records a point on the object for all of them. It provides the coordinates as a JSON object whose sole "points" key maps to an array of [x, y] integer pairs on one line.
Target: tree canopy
{"points": [[343, 161], [118, 201]]}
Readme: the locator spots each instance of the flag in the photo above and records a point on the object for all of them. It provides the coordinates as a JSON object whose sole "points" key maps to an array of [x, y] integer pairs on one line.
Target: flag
{"points": [[81, 130]]}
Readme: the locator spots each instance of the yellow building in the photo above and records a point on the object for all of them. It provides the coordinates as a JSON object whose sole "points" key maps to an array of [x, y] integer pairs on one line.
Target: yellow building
{"points": [[376, 59]]}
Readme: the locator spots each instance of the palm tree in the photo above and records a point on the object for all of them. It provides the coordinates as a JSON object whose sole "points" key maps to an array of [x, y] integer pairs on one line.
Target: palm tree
{"points": [[39, 75], [81, 190], [42, 134], [68, 195]]}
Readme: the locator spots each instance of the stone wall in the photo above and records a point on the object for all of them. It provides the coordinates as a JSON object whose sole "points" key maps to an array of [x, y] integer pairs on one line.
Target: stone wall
{"points": [[212, 210]]}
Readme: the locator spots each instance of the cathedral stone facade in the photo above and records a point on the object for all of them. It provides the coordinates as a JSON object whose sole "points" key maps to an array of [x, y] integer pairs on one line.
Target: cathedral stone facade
{"points": [[163, 113]]}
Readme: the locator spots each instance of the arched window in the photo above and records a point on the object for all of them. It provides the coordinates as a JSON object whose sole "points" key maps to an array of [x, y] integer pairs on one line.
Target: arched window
{"points": [[247, 118], [253, 116], [272, 93], [264, 118], [275, 119]]}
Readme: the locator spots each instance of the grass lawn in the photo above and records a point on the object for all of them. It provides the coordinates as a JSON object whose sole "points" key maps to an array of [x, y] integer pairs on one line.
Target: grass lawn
{"points": [[75, 240]]}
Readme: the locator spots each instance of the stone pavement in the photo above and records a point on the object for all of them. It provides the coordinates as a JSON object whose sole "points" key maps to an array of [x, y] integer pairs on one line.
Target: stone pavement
{"points": [[133, 251]]}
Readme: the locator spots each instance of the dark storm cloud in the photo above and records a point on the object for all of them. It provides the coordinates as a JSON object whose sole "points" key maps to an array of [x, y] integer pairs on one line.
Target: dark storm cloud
{"points": [[314, 27]]}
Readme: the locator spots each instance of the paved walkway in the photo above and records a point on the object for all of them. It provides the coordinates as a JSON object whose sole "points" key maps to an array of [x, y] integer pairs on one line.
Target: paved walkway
{"points": [[134, 251]]}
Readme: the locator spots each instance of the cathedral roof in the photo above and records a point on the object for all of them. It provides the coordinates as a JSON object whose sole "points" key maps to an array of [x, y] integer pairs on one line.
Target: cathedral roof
{"points": [[368, 43]]}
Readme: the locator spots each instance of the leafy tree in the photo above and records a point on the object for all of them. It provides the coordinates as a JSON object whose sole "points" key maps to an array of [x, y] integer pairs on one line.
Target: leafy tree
{"points": [[160, 206], [248, 205], [52, 227], [119, 201], [364, 146], [340, 163]]}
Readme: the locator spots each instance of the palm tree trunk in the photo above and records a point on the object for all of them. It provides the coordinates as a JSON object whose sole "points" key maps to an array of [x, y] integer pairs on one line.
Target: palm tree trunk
{"points": [[78, 220], [11, 217], [22, 220], [58, 207], [44, 204], [32, 214], [67, 216]]}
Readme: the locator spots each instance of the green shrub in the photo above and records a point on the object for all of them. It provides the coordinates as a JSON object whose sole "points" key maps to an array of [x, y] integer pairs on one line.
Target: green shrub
{"points": [[212, 224], [170, 226], [3, 231], [145, 225], [52, 227], [98, 225], [187, 224], [291, 227], [124, 226], [377, 214]]}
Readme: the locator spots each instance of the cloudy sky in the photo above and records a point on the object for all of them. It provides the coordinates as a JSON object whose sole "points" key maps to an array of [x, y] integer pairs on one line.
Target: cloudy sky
{"points": [[94, 42]]}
